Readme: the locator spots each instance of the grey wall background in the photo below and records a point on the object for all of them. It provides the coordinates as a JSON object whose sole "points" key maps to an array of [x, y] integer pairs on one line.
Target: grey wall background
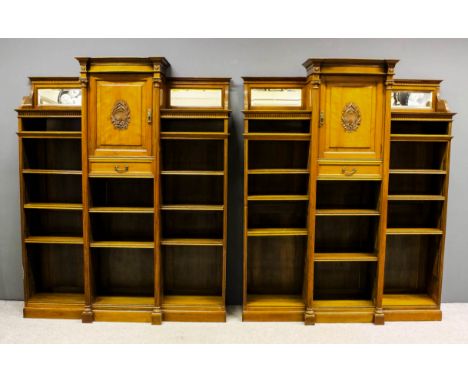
{"points": [[428, 58]]}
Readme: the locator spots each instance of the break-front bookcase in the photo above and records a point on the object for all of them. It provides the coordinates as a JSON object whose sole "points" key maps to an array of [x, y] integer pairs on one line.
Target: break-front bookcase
{"points": [[345, 195], [124, 194]]}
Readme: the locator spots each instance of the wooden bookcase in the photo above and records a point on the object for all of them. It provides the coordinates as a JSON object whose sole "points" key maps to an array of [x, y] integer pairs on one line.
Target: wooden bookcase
{"points": [[123, 180], [124, 195], [51, 200], [417, 205], [193, 188], [345, 192], [276, 197]]}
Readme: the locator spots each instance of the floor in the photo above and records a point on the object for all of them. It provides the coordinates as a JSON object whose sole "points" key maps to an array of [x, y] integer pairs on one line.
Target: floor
{"points": [[15, 329]]}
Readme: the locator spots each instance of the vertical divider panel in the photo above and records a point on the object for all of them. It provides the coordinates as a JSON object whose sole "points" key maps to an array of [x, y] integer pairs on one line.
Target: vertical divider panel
{"points": [[87, 316], [26, 279], [246, 208], [225, 203], [379, 317], [437, 292], [314, 105], [158, 88]]}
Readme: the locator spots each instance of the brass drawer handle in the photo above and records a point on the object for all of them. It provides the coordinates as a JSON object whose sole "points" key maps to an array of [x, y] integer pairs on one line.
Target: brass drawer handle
{"points": [[121, 170], [346, 172]]}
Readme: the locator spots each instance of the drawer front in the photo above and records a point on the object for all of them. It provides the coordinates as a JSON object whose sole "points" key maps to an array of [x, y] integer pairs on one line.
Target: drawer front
{"points": [[350, 171], [121, 169]]}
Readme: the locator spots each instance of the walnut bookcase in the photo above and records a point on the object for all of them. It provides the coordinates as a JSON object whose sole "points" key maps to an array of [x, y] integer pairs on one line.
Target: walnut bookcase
{"points": [[345, 195], [123, 179], [124, 195]]}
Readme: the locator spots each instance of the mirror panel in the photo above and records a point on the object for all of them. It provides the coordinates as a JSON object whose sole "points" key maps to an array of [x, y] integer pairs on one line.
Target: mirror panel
{"points": [[196, 97], [411, 100], [59, 97], [276, 97]]}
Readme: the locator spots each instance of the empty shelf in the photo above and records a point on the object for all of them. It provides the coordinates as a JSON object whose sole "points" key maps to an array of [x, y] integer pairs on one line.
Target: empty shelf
{"points": [[253, 198], [57, 298], [192, 207], [421, 137], [183, 172], [416, 197], [417, 172], [122, 210], [189, 300], [414, 231], [187, 135], [351, 256], [122, 244], [277, 232], [407, 300], [342, 304], [279, 301], [52, 172], [278, 171], [123, 301], [54, 206], [278, 136], [196, 242], [346, 212], [51, 134], [53, 240]]}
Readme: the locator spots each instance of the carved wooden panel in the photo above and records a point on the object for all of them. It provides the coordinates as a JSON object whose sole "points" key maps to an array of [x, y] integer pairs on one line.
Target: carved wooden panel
{"points": [[352, 119], [118, 116]]}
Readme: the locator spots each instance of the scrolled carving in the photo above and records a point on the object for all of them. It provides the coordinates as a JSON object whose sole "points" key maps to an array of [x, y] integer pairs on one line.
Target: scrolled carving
{"points": [[351, 117], [120, 115]]}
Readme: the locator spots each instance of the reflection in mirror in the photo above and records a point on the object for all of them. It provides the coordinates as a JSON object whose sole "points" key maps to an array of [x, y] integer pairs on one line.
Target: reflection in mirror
{"points": [[276, 97], [412, 100], [196, 97], [59, 97]]}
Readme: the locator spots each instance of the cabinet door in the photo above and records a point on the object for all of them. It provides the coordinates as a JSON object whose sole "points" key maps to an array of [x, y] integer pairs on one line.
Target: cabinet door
{"points": [[120, 116], [351, 120]]}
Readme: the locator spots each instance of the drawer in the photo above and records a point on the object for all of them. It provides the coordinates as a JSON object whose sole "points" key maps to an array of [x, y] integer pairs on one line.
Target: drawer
{"points": [[121, 169], [350, 171]]}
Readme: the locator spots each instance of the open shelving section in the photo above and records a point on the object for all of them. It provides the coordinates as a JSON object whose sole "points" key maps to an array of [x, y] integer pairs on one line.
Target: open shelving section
{"points": [[276, 198], [193, 206], [347, 218], [51, 199], [417, 204]]}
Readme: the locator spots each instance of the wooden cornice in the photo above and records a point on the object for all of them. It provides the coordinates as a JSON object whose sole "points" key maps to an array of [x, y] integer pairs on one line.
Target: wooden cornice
{"points": [[360, 65], [123, 64]]}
